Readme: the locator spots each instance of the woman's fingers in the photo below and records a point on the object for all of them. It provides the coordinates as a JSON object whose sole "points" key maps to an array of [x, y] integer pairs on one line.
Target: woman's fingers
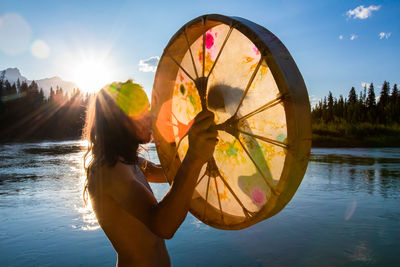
{"points": [[208, 135], [203, 137], [203, 125], [203, 122], [204, 114]]}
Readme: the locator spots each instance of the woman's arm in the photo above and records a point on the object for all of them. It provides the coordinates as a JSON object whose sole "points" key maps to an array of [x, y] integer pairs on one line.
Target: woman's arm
{"points": [[154, 172], [165, 217]]}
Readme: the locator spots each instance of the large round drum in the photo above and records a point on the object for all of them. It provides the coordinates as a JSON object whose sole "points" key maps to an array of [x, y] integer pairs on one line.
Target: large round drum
{"points": [[245, 75]]}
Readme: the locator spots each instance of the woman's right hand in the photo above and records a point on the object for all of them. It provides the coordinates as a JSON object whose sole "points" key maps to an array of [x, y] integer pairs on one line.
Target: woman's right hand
{"points": [[202, 138]]}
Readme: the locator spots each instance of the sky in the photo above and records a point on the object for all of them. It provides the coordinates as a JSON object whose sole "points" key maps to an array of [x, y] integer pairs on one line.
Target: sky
{"points": [[336, 44]]}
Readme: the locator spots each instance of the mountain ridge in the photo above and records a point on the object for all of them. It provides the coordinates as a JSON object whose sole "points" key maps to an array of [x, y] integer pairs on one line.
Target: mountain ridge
{"points": [[13, 74]]}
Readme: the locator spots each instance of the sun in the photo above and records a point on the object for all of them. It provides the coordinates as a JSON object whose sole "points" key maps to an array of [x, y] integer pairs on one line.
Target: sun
{"points": [[92, 73]]}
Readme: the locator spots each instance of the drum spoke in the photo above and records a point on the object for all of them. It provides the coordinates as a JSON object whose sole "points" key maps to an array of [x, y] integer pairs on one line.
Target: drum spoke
{"points": [[258, 168], [245, 211], [265, 139], [219, 53], [179, 65], [264, 107], [248, 85], [205, 206], [204, 53], [201, 178], [219, 199], [191, 54]]}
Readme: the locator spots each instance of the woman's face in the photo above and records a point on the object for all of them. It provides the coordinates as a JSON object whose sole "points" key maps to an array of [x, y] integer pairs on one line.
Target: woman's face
{"points": [[133, 102], [143, 127]]}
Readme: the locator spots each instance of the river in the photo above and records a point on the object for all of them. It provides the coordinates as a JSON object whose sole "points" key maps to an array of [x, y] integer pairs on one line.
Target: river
{"points": [[346, 212]]}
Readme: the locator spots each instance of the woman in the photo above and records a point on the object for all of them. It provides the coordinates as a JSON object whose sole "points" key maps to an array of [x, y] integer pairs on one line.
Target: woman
{"points": [[118, 120]]}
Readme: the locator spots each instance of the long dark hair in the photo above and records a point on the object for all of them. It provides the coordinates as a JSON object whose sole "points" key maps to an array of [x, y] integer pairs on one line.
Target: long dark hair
{"points": [[108, 131]]}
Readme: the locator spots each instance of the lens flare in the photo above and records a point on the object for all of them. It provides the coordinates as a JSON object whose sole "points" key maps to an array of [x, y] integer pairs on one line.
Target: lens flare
{"points": [[40, 49], [130, 98]]}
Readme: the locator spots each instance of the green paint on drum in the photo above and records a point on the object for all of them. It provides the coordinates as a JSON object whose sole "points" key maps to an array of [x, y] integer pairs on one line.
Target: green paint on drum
{"points": [[281, 138]]}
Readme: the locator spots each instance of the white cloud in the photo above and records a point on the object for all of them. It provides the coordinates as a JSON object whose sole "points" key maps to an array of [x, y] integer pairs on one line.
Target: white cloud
{"points": [[353, 37], [364, 84], [384, 35], [314, 100], [341, 37], [148, 65], [362, 12]]}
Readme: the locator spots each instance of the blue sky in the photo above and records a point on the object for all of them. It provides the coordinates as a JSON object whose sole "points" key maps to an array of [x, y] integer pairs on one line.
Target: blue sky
{"points": [[122, 33]]}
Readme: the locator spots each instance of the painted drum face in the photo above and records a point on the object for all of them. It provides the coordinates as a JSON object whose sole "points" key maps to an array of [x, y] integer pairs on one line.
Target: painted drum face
{"points": [[260, 158]]}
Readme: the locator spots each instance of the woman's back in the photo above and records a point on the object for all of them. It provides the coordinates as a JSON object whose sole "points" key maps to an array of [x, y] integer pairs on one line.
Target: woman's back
{"points": [[134, 242]]}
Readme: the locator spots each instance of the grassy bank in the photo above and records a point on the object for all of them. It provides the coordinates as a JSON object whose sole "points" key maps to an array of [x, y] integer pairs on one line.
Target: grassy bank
{"points": [[355, 135]]}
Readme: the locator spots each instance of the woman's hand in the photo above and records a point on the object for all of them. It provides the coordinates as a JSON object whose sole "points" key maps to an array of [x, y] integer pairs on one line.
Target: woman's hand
{"points": [[202, 138]]}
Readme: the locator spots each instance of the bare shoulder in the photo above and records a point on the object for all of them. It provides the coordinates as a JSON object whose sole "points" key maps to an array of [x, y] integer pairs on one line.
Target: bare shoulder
{"points": [[120, 183], [111, 176]]}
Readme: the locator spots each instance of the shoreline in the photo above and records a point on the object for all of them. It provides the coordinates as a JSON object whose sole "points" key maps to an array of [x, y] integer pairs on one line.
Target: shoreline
{"points": [[343, 142], [318, 141]]}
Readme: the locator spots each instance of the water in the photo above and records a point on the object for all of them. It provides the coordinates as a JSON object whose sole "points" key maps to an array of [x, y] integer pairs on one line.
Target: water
{"points": [[345, 213]]}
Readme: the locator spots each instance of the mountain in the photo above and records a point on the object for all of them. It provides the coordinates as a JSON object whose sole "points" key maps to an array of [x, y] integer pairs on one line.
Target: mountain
{"points": [[46, 83], [13, 74]]}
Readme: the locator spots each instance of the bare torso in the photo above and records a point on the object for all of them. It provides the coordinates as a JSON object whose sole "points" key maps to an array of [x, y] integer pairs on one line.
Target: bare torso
{"points": [[133, 241]]}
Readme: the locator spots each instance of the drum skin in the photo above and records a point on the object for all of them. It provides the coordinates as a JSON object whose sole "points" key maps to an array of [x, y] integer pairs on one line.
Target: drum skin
{"points": [[245, 75]]}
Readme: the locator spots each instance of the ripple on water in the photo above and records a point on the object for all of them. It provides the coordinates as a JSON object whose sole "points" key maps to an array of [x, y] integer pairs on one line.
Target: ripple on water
{"points": [[345, 212]]}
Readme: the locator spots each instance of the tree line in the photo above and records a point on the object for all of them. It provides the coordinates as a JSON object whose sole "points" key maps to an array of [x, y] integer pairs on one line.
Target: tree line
{"points": [[26, 114], [358, 119], [364, 107]]}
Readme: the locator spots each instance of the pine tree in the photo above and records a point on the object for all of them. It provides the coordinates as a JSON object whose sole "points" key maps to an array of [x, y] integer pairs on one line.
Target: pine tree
{"points": [[13, 90], [2, 75], [341, 112], [352, 96], [394, 94], [18, 85], [41, 94], [24, 88], [395, 104], [7, 88], [33, 87], [371, 103], [325, 110], [364, 98], [384, 97], [351, 108], [383, 104], [330, 106], [52, 95]]}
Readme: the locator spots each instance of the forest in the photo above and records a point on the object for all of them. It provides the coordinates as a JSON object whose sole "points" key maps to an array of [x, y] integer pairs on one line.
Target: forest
{"points": [[27, 115], [359, 120]]}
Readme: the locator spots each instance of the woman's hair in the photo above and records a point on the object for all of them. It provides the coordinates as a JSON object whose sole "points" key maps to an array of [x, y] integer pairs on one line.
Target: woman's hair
{"points": [[108, 131]]}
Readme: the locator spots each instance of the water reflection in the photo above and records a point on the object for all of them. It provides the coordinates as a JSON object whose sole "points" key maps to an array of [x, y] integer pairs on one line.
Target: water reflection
{"points": [[43, 172], [53, 150], [345, 213], [368, 170], [88, 217]]}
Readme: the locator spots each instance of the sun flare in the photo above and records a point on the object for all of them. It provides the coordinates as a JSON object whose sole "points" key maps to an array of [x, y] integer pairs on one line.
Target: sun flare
{"points": [[91, 74]]}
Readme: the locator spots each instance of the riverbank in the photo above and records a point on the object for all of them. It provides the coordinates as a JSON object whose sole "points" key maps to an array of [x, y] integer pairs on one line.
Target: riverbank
{"points": [[328, 135], [355, 135]]}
